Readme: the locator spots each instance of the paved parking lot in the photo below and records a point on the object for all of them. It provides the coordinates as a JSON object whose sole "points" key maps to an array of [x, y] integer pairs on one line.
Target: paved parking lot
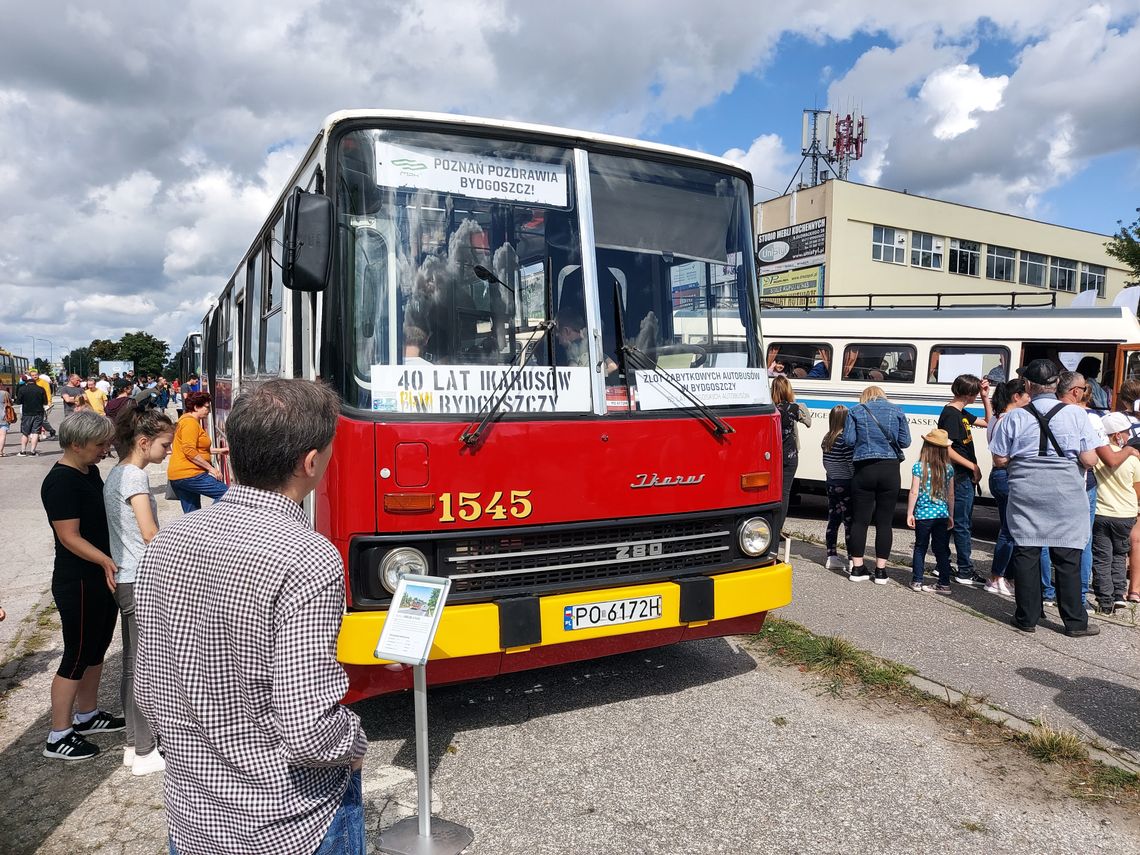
{"points": [[699, 748]]}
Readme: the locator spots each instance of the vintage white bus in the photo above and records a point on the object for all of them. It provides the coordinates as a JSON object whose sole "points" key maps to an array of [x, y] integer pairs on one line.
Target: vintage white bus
{"points": [[914, 354]]}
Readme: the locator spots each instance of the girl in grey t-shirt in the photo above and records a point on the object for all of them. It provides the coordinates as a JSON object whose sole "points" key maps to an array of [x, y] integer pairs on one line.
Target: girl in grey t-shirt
{"points": [[142, 437]]}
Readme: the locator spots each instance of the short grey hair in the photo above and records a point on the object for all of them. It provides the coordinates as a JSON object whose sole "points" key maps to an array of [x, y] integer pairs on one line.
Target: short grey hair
{"points": [[1067, 380], [83, 428], [276, 424], [1038, 389]]}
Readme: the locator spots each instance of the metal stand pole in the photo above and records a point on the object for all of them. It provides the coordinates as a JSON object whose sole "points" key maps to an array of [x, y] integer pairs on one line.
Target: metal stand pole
{"points": [[423, 774], [418, 835]]}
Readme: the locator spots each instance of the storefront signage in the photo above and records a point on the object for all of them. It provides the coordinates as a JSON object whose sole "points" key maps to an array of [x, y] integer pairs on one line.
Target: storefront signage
{"points": [[794, 288], [467, 389], [789, 248], [471, 175]]}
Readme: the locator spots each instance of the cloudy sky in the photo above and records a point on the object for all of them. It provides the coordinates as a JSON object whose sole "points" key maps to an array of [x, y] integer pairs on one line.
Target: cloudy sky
{"points": [[143, 142]]}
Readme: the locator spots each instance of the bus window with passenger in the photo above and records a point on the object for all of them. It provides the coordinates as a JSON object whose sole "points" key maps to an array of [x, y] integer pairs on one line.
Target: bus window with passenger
{"points": [[879, 363]]}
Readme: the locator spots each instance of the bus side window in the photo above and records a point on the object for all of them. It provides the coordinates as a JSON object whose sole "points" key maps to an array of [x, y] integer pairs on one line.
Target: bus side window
{"points": [[801, 360], [948, 361], [877, 363]]}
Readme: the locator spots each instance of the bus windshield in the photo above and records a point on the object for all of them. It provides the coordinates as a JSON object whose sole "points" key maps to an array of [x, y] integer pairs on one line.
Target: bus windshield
{"points": [[456, 253]]}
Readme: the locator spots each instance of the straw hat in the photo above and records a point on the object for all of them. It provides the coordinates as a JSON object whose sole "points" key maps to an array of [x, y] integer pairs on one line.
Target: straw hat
{"points": [[938, 437]]}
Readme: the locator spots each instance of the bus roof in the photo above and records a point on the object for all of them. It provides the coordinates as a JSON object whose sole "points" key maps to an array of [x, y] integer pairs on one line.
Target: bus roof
{"points": [[529, 128], [979, 323]]}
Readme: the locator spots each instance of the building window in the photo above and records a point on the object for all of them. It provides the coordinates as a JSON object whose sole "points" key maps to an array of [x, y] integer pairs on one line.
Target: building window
{"points": [[1033, 269], [965, 256], [888, 245], [1000, 263], [1092, 276], [1062, 274], [925, 251]]}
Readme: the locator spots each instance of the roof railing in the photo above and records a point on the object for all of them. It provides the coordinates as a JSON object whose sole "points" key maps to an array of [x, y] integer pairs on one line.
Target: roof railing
{"points": [[937, 302]]}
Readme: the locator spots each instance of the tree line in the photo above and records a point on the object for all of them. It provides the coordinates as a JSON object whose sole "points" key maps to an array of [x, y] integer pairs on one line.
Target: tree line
{"points": [[150, 355]]}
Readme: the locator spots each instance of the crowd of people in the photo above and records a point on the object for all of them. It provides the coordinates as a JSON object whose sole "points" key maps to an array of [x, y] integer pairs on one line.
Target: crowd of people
{"points": [[258, 751], [1065, 479]]}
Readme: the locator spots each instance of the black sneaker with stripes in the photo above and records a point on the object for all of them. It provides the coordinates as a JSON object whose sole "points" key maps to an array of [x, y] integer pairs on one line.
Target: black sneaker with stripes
{"points": [[71, 747], [101, 722]]}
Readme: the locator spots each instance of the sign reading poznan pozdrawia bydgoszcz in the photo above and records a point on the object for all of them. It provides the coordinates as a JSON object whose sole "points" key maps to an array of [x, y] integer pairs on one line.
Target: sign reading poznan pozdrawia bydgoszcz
{"points": [[466, 389], [712, 386], [471, 175]]}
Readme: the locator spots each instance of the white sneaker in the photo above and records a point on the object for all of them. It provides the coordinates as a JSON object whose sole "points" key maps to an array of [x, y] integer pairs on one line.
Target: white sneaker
{"points": [[148, 763], [993, 588], [1006, 588], [834, 562], [128, 756]]}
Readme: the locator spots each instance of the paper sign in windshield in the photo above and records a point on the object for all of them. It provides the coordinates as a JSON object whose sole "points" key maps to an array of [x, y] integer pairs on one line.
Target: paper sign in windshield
{"points": [[469, 175], [467, 389], [716, 387], [412, 620]]}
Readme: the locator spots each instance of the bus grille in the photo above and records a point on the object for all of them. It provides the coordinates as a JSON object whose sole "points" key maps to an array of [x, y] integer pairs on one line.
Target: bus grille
{"points": [[581, 558]]}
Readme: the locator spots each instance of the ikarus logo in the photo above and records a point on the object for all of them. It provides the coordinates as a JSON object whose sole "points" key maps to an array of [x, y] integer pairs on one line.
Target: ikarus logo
{"points": [[774, 251], [409, 167]]}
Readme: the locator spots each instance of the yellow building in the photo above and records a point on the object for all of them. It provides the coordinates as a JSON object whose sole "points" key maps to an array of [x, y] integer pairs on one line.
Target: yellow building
{"points": [[844, 240]]}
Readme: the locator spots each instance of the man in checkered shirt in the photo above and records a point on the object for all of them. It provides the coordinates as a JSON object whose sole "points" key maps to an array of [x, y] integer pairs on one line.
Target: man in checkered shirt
{"points": [[238, 610]]}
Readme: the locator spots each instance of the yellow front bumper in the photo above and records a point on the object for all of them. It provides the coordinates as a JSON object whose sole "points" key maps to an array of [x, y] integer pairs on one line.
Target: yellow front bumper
{"points": [[473, 630]]}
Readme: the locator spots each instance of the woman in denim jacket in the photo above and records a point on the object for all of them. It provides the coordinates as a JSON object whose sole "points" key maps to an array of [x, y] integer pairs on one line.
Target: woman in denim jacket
{"points": [[878, 431]]}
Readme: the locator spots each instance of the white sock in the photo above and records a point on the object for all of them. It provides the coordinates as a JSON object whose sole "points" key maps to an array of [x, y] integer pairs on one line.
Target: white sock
{"points": [[57, 735], [84, 717]]}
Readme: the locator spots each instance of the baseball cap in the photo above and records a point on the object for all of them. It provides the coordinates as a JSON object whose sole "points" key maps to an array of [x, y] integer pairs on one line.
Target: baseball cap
{"points": [[1043, 372], [1115, 423]]}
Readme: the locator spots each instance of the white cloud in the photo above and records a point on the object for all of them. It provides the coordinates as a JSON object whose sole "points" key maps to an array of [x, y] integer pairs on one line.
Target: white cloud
{"points": [[142, 147], [953, 95]]}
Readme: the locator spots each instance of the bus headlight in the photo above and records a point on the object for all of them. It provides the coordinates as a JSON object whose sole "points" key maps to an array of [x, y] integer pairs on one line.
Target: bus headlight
{"points": [[399, 562], [755, 536]]}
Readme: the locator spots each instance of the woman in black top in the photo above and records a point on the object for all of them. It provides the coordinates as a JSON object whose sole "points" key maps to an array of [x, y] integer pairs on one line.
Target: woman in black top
{"points": [[791, 414], [82, 584]]}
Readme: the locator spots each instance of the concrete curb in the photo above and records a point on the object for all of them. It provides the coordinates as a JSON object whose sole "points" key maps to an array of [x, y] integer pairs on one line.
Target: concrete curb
{"points": [[1007, 719]]}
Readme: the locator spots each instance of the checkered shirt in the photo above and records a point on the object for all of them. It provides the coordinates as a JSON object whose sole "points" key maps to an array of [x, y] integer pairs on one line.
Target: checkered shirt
{"points": [[238, 610]]}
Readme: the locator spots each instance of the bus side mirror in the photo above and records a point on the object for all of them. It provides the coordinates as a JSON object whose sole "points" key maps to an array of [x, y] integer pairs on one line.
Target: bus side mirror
{"points": [[308, 241]]}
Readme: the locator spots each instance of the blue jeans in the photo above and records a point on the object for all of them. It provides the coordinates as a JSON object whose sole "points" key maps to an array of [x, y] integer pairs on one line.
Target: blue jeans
{"points": [[346, 834], [933, 533], [1003, 546], [963, 510], [191, 490]]}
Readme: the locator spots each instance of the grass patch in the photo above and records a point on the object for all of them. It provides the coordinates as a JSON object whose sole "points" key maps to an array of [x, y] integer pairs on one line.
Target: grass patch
{"points": [[1050, 744], [979, 827], [842, 666], [838, 660]]}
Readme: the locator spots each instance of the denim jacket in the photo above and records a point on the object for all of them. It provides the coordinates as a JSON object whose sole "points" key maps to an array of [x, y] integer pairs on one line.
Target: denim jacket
{"points": [[861, 432]]}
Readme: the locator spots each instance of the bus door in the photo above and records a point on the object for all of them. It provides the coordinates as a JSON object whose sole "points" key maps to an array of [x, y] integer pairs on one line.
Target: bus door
{"points": [[1127, 365]]}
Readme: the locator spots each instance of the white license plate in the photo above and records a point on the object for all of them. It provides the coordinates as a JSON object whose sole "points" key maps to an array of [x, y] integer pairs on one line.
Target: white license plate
{"points": [[611, 612]]}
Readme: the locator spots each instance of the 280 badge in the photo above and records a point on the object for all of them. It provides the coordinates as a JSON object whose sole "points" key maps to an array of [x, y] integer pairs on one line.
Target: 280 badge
{"points": [[470, 507]]}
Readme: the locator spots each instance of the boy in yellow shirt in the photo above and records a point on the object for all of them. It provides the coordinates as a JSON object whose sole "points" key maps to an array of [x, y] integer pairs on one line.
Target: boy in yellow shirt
{"points": [[1117, 505]]}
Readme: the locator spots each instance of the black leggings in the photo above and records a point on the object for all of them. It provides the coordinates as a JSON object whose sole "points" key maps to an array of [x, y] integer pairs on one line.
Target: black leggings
{"points": [[874, 494], [87, 613]]}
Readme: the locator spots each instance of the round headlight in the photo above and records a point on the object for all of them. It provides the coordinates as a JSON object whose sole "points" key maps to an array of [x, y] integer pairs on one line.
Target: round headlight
{"points": [[399, 562], [755, 536]]}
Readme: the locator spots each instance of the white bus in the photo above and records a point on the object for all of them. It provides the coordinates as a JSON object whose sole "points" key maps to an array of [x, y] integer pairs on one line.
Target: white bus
{"points": [[915, 353]]}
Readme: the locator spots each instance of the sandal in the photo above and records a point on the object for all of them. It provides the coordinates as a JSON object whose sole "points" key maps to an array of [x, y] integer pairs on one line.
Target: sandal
{"points": [[1132, 598]]}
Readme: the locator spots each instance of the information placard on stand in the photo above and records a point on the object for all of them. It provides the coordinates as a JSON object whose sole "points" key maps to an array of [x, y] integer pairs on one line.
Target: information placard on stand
{"points": [[408, 634]]}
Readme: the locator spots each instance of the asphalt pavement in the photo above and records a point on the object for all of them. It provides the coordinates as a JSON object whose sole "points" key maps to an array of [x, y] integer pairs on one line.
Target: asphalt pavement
{"points": [[705, 747]]}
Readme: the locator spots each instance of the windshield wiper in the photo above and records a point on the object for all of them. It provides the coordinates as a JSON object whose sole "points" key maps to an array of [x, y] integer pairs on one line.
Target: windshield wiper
{"points": [[641, 361], [471, 435]]}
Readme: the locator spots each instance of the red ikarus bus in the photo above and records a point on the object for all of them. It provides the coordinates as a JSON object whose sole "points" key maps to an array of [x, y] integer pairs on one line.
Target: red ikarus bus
{"points": [[547, 345]]}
